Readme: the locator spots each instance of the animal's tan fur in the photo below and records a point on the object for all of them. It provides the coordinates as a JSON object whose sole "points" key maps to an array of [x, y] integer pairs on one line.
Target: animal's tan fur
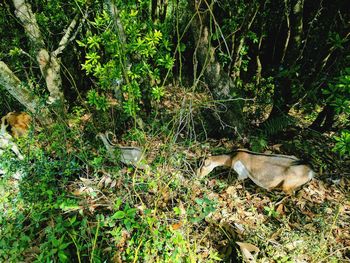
{"points": [[270, 171], [19, 122]]}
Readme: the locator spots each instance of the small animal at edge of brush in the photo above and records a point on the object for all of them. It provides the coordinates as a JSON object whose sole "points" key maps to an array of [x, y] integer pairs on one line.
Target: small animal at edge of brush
{"points": [[18, 123]]}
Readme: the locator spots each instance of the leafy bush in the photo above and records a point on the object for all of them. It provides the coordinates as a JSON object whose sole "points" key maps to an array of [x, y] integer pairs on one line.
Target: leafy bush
{"points": [[342, 145], [129, 65], [338, 92], [338, 96]]}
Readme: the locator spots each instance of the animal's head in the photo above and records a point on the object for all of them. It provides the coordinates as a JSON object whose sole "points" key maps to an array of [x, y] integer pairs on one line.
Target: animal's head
{"points": [[205, 168]]}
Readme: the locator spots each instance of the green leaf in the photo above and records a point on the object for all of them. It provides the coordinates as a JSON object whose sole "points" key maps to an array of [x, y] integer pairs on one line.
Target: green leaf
{"points": [[55, 242], [182, 47], [63, 246], [131, 212], [80, 43], [119, 215], [72, 219], [177, 210], [62, 256], [118, 203], [199, 201]]}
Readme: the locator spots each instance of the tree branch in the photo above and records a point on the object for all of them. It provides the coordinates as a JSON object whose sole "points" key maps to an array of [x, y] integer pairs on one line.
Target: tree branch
{"points": [[287, 13], [24, 13], [238, 58], [49, 63], [66, 38], [14, 86], [114, 12]]}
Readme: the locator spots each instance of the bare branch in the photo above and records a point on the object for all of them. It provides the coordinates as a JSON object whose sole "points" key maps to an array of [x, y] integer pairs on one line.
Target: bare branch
{"points": [[219, 29], [330, 52], [311, 26], [66, 38], [287, 13]]}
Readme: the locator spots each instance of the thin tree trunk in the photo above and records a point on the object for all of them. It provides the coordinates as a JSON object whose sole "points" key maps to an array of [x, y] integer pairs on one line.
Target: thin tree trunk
{"points": [[283, 97], [245, 27], [228, 116], [324, 120], [159, 9]]}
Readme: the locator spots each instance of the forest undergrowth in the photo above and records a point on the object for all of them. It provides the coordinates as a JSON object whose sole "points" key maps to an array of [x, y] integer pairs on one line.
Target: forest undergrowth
{"points": [[75, 204], [172, 82]]}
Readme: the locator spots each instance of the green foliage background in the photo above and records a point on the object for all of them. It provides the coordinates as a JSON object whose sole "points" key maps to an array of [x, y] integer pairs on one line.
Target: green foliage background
{"points": [[137, 73]]}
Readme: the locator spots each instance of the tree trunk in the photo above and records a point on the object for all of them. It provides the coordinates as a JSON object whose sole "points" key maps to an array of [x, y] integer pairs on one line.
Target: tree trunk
{"points": [[119, 30], [283, 98], [158, 10], [49, 62], [324, 120], [227, 117]]}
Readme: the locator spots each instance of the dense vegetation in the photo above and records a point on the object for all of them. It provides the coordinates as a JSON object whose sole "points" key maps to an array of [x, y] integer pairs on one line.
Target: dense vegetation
{"points": [[181, 80]]}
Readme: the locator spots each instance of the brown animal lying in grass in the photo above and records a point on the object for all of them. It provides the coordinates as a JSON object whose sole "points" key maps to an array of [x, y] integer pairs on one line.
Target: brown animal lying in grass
{"points": [[269, 171], [18, 121]]}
